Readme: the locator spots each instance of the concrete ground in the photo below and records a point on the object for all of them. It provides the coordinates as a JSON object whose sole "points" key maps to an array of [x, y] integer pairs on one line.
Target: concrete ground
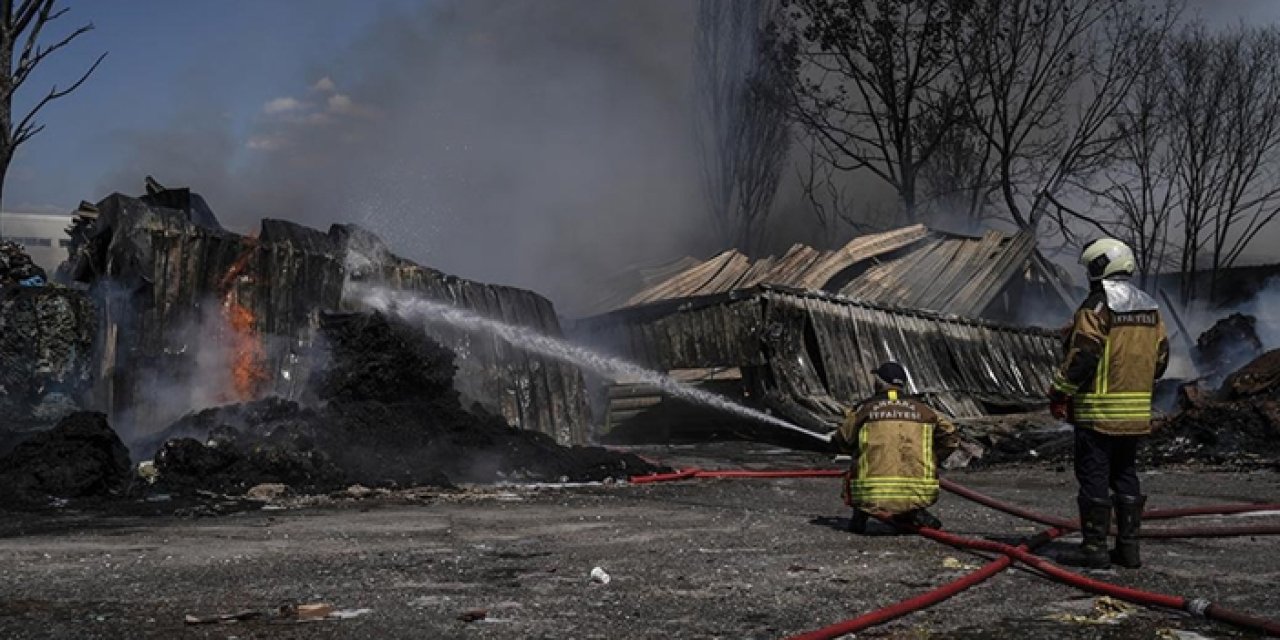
{"points": [[700, 559]]}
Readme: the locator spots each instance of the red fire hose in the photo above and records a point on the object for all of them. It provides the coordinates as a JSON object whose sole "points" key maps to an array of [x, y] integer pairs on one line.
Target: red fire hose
{"points": [[1197, 606], [1011, 509], [1022, 553], [927, 599], [1187, 532]]}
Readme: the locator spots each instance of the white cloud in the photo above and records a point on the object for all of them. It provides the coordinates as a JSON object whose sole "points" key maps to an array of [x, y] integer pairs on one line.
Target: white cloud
{"points": [[324, 85], [282, 105], [341, 103]]}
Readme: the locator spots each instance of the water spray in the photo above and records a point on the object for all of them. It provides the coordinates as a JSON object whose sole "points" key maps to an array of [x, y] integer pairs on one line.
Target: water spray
{"points": [[414, 308]]}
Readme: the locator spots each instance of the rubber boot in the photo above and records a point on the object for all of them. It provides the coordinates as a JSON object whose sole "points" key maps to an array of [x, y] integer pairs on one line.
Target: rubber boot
{"points": [[1128, 521], [1095, 521], [858, 521], [922, 518]]}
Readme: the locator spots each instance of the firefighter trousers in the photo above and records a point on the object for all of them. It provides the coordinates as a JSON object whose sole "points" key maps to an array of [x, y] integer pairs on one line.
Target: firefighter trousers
{"points": [[1105, 462]]}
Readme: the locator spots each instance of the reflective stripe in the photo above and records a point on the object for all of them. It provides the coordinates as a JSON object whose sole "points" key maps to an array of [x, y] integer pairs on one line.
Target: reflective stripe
{"points": [[1100, 383], [862, 452], [1065, 386], [926, 434]]}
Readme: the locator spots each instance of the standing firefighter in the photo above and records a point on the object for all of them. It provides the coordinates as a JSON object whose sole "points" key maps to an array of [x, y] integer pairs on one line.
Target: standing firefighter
{"points": [[1115, 351], [894, 470]]}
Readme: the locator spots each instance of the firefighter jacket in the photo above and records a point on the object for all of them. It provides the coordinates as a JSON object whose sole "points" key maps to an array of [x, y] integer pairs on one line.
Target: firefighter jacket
{"points": [[1116, 350], [892, 438]]}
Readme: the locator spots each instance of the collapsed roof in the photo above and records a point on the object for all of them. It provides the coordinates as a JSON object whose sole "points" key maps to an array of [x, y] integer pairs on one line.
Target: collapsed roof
{"points": [[911, 267], [806, 355]]}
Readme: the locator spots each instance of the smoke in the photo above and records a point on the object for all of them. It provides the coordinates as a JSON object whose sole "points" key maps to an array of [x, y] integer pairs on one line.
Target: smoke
{"points": [[1265, 306], [540, 144]]}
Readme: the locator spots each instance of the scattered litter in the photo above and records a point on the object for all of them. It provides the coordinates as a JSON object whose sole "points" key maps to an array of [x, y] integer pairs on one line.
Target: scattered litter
{"points": [[598, 575], [950, 562], [248, 614], [1106, 610], [147, 471], [1179, 634], [347, 614], [313, 611], [473, 615]]}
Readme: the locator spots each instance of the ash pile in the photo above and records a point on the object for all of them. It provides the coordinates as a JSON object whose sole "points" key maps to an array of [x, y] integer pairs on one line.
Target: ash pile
{"points": [[389, 416]]}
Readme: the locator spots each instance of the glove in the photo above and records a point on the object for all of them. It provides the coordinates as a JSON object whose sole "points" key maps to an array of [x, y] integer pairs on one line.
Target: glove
{"points": [[1059, 403]]}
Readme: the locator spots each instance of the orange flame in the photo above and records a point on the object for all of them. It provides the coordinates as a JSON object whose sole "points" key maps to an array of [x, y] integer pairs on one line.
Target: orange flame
{"points": [[248, 363]]}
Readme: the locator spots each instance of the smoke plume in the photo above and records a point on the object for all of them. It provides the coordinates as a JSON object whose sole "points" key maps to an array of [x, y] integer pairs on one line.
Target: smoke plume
{"points": [[539, 144]]}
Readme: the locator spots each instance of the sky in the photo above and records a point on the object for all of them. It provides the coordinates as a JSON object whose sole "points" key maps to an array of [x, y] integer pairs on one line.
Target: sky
{"points": [[538, 143]]}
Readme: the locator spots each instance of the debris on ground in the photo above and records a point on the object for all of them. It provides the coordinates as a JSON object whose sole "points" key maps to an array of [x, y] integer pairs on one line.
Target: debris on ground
{"points": [[80, 457], [313, 611], [238, 616], [1239, 424], [390, 418], [1105, 610], [473, 615], [953, 563], [599, 576], [288, 612]]}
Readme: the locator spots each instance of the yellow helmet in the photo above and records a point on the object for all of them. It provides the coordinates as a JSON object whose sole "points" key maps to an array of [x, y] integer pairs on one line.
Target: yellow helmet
{"points": [[1106, 257]]}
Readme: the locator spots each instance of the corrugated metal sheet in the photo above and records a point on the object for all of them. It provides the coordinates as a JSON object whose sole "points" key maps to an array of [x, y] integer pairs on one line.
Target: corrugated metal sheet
{"points": [[809, 354], [910, 267], [945, 273]]}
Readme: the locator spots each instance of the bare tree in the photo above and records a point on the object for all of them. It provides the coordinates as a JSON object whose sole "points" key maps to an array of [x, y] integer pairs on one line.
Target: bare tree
{"points": [[1135, 194], [21, 24], [743, 126], [1223, 98], [1042, 81], [864, 75], [959, 180]]}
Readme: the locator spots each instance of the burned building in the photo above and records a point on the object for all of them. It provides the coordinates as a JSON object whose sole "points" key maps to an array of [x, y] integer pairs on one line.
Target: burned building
{"points": [[799, 334], [171, 281]]}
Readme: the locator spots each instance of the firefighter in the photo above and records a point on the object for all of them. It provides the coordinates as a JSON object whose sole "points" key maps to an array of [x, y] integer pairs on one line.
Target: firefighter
{"points": [[1115, 351], [894, 471]]}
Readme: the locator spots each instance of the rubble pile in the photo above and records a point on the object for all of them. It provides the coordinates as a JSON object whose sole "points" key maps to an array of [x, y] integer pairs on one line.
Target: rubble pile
{"points": [[1229, 343], [46, 345], [17, 268], [390, 417], [1237, 424], [81, 457]]}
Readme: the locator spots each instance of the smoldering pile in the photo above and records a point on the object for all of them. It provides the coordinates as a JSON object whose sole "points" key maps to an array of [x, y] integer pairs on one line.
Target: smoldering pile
{"points": [[1236, 424], [388, 415]]}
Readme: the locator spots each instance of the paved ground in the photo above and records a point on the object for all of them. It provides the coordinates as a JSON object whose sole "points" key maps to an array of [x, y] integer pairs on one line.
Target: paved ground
{"points": [[702, 559]]}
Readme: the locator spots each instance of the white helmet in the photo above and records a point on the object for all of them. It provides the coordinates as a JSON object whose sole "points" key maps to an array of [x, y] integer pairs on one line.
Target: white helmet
{"points": [[1106, 257]]}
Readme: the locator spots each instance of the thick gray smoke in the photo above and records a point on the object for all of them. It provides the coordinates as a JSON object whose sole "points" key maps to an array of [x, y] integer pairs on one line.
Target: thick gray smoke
{"points": [[541, 144]]}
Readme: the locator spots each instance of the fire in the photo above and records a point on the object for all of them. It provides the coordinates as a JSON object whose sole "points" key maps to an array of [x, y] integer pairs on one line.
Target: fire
{"points": [[248, 357]]}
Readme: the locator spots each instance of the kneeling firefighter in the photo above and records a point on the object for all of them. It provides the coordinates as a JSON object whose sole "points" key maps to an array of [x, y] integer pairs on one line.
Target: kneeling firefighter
{"points": [[1115, 351], [891, 436]]}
